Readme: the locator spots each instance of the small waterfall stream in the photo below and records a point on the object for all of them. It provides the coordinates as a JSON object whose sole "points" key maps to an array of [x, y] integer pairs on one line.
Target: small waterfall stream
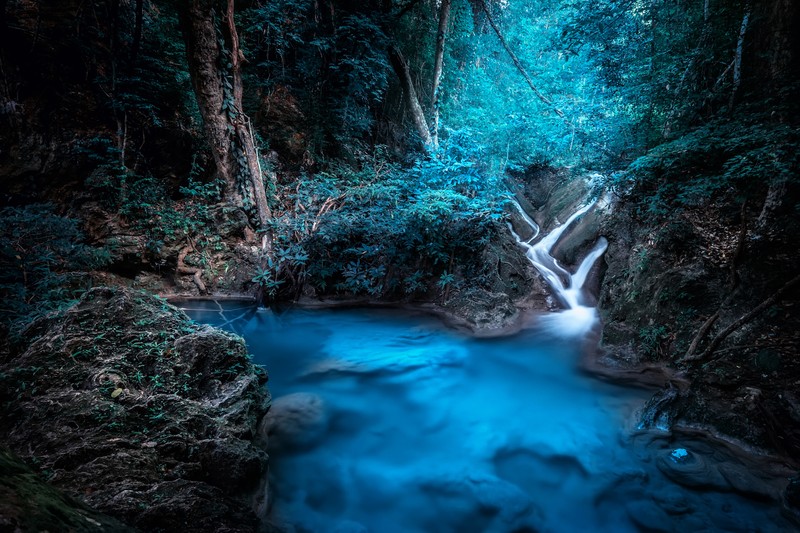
{"points": [[578, 318]]}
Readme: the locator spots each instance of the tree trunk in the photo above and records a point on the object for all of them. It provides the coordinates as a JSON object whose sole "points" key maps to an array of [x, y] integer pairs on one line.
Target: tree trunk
{"points": [[737, 62], [215, 70], [418, 117], [204, 54], [3, 22], [244, 129], [444, 19]]}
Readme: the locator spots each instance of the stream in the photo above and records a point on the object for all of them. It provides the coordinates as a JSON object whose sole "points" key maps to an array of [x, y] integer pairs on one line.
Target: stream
{"points": [[386, 421]]}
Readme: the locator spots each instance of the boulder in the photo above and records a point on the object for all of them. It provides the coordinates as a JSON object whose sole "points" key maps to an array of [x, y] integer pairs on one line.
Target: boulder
{"points": [[294, 422], [126, 404]]}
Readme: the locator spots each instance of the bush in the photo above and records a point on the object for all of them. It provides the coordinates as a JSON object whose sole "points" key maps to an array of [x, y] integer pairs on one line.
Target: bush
{"points": [[377, 229], [43, 261], [727, 160]]}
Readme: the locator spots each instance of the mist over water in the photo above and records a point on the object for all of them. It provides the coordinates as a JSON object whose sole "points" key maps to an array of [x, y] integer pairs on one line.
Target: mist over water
{"points": [[391, 423]]}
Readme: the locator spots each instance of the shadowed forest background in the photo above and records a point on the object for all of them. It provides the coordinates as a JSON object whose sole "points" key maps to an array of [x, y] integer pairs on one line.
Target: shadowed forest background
{"points": [[135, 119], [369, 151]]}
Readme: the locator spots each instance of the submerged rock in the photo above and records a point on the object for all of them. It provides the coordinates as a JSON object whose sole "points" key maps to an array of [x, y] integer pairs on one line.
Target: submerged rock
{"points": [[123, 402], [660, 410], [484, 502], [294, 421]]}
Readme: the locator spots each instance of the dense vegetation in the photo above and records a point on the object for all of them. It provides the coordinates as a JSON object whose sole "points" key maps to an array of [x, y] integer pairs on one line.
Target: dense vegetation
{"points": [[403, 117]]}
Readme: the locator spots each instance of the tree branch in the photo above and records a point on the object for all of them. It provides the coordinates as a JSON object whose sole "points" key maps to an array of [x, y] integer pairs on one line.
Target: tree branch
{"points": [[760, 308], [517, 62]]}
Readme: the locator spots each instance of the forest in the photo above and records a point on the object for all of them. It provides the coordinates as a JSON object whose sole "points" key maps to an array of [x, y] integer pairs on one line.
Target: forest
{"points": [[375, 203]]}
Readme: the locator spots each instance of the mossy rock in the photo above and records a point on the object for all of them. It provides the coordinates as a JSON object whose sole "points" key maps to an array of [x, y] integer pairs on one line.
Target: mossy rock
{"points": [[138, 411]]}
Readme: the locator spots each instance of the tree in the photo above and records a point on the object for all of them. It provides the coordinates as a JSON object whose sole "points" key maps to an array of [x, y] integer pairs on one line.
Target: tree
{"points": [[517, 62], [412, 101], [214, 58], [438, 65]]}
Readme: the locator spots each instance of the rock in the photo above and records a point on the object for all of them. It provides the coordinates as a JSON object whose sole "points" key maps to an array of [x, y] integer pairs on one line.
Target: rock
{"points": [[743, 481], [173, 450], [673, 501], [649, 517], [791, 495], [483, 309], [691, 470], [791, 500], [28, 503], [492, 504], [660, 410], [295, 421], [232, 463]]}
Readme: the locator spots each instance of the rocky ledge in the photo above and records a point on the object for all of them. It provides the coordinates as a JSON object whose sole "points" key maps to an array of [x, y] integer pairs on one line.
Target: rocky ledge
{"points": [[122, 402]]}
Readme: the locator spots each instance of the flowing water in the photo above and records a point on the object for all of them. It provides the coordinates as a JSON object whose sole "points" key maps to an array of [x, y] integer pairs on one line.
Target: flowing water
{"points": [[385, 421], [578, 318], [403, 426]]}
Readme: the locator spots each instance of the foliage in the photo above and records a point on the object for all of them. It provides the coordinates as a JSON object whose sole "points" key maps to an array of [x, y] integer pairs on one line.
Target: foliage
{"points": [[652, 338], [379, 229], [43, 261], [724, 160], [333, 60]]}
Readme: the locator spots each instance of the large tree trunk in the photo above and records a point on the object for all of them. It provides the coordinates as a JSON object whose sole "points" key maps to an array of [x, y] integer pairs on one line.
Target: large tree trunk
{"points": [[216, 76], [204, 55], [444, 19], [772, 58], [412, 101], [244, 129]]}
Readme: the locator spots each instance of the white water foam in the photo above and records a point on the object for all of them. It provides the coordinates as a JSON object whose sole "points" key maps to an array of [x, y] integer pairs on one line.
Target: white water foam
{"points": [[578, 318]]}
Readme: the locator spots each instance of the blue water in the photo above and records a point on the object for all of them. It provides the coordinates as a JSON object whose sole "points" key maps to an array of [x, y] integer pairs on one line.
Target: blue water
{"points": [[385, 421]]}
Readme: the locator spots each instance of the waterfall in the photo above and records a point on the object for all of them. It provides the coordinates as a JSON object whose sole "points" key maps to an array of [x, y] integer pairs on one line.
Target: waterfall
{"points": [[578, 318]]}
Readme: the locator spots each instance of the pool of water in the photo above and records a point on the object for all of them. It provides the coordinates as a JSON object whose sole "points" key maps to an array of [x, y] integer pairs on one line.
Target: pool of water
{"points": [[388, 422]]}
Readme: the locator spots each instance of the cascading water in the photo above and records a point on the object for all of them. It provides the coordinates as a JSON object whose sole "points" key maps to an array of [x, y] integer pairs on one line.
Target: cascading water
{"points": [[578, 318]]}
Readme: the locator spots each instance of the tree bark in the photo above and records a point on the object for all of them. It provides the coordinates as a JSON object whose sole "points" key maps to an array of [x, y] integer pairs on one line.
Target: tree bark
{"points": [[204, 54], [517, 62], [444, 19], [244, 129], [215, 70], [412, 101]]}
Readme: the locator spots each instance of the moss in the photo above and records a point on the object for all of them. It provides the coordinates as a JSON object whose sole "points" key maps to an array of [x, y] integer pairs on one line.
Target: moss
{"points": [[28, 503]]}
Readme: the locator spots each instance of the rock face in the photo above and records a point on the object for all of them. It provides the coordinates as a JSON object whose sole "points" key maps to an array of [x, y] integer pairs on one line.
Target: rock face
{"points": [[673, 285], [124, 403]]}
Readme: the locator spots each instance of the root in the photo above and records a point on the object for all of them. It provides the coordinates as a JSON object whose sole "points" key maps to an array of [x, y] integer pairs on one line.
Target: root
{"points": [[196, 273]]}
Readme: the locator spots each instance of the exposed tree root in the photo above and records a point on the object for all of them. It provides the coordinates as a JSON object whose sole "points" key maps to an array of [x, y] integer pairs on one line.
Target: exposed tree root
{"points": [[196, 273]]}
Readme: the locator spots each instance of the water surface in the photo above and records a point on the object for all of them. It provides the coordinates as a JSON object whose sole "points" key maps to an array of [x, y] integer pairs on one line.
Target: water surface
{"points": [[426, 430]]}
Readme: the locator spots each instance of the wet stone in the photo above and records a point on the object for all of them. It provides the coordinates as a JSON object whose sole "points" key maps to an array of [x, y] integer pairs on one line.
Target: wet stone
{"points": [[295, 421]]}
